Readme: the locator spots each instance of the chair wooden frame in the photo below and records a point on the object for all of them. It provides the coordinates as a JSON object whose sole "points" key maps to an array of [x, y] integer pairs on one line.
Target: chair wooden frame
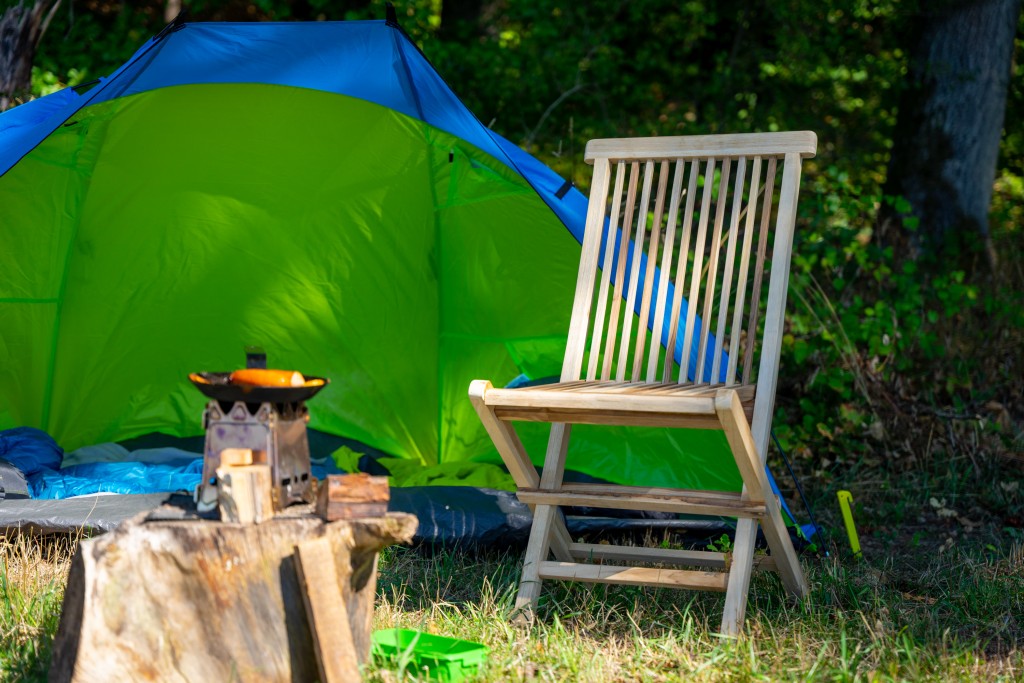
{"points": [[712, 390]]}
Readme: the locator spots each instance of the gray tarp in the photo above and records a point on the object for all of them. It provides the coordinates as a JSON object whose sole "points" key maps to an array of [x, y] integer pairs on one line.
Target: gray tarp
{"points": [[93, 513], [448, 515]]}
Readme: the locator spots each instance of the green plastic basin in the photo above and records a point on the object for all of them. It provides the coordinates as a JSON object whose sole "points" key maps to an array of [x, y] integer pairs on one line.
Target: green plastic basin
{"points": [[437, 657]]}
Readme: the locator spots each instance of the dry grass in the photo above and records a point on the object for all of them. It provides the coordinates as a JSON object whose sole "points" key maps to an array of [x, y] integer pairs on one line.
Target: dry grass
{"points": [[33, 573]]}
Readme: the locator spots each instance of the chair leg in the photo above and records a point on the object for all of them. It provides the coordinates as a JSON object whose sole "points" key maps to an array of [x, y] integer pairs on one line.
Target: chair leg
{"points": [[551, 479], [513, 454], [787, 563], [536, 552], [751, 467], [504, 437], [739, 577], [548, 532]]}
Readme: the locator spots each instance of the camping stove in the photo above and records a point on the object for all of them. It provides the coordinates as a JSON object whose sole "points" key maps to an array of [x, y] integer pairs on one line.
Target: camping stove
{"points": [[270, 422]]}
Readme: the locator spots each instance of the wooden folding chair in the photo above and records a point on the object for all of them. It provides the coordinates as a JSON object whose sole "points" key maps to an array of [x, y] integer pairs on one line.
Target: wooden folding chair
{"points": [[648, 280]]}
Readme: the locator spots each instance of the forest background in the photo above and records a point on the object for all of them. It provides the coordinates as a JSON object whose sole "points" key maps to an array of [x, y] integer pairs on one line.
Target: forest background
{"points": [[903, 361]]}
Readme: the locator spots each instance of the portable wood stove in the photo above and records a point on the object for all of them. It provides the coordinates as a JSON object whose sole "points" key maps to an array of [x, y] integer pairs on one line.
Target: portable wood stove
{"points": [[270, 422]]}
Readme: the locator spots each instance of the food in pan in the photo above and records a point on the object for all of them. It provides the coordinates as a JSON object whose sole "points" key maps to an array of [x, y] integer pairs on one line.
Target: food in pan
{"points": [[268, 378]]}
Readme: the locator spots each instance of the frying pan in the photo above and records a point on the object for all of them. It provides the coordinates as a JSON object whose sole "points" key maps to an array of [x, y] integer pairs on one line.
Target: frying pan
{"points": [[218, 386]]}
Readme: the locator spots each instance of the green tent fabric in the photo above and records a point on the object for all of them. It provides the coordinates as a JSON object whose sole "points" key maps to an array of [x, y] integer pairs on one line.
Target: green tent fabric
{"points": [[160, 231], [235, 245]]}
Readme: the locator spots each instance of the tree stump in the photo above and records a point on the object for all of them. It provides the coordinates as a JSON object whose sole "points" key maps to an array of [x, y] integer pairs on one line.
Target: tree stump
{"points": [[171, 597]]}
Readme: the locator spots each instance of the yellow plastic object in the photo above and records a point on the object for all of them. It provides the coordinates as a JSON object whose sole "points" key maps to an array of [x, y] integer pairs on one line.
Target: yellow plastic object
{"points": [[845, 499]]}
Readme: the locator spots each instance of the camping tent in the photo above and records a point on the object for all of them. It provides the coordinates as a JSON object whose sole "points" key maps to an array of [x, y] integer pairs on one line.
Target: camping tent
{"points": [[312, 188]]}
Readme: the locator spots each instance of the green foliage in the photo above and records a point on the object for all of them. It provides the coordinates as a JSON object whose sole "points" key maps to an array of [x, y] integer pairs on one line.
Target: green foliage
{"points": [[872, 333], [880, 345], [46, 82]]}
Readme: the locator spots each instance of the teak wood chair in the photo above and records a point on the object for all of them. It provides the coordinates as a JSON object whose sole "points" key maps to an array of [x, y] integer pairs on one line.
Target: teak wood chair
{"points": [[661, 266]]}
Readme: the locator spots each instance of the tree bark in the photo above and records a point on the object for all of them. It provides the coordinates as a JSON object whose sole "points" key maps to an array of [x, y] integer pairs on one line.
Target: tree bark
{"points": [[946, 140], [21, 29]]}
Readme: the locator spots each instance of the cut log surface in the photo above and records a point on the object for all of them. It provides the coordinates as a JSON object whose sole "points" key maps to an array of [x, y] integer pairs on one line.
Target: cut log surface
{"points": [[169, 597]]}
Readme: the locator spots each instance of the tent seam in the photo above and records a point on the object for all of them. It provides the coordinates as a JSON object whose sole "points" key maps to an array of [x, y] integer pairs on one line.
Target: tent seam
{"points": [[58, 314], [427, 128], [408, 79]]}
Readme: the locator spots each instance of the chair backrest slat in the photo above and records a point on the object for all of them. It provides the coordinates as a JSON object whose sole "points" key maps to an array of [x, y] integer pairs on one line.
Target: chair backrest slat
{"points": [[634, 271], [593, 229], [778, 284], [609, 255], [741, 288], [695, 271], [730, 258], [712, 275], [680, 282], [762, 247], [674, 265], [620, 274], [652, 260], [665, 276]]}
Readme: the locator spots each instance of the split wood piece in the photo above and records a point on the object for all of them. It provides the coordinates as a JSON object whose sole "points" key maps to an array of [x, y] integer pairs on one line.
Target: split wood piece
{"points": [[328, 617], [350, 496], [171, 599], [244, 494], [236, 457]]}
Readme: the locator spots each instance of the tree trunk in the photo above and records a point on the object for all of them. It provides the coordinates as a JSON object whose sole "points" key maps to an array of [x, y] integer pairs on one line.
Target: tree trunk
{"points": [[171, 10], [168, 597], [21, 29], [946, 140]]}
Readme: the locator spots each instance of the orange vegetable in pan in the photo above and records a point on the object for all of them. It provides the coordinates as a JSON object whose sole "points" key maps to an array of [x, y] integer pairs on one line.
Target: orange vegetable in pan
{"points": [[268, 378]]}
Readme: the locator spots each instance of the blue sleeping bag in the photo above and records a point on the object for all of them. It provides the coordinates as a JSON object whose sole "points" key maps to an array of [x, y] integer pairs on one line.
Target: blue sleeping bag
{"points": [[39, 458]]}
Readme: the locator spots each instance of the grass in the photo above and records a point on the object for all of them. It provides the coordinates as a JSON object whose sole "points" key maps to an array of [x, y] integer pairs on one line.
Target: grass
{"points": [[33, 573], [933, 611], [953, 616]]}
